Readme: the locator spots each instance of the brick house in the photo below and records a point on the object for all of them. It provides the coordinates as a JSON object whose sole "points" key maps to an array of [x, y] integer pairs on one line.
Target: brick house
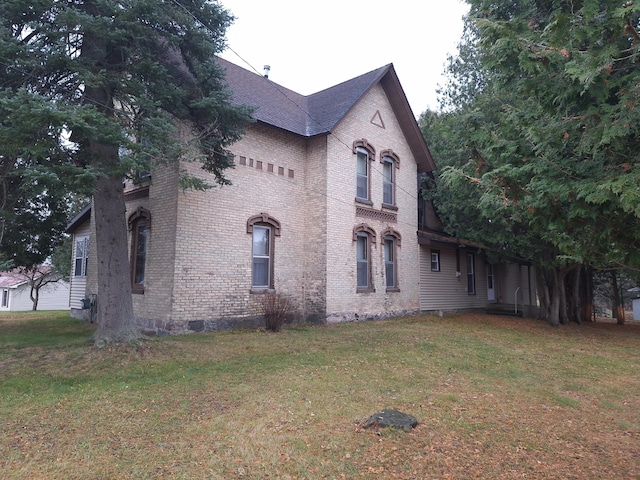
{"points": [[323, 207]]}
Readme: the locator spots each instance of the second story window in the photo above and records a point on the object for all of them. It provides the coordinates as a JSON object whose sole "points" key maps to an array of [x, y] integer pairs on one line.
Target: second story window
{"points": [[362, 174], [388, 184], [364, 153], [390, 162]]}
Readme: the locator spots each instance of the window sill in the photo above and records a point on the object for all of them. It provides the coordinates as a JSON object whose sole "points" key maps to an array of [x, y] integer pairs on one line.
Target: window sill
{"points": [[389, 207], [392, 290], [365, 290], [261, 290], [364, 201]]}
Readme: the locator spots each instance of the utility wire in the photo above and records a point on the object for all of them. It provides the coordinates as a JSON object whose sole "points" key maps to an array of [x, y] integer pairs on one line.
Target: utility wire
{"points": [[273, 85]]}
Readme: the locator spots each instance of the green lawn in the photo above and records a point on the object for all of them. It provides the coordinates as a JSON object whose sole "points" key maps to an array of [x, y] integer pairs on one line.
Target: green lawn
{"points": [[496, 397]]}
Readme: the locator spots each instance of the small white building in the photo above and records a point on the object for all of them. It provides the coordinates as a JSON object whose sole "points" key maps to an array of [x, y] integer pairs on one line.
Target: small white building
{"points": [[15, 294], [635, 302]]}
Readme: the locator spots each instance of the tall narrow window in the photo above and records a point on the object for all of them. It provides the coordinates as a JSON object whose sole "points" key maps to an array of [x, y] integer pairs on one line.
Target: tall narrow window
{"points": [[362, 174], [471, 274], [5, 297], [390, 269], [392, 241], [390, 163], [263, 229], [387, 182], [364, 152], [140, 227], [81, 259], [364, 236], [362, 257], [261, 276], [140, 255]]}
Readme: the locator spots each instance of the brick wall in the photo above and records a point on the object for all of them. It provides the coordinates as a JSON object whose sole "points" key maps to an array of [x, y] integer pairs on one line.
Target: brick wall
{"points": [[373, 120], [198, 270]]}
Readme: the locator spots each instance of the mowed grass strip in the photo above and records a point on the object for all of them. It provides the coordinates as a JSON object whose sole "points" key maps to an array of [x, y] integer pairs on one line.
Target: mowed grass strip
{"points": [[496, 397]]}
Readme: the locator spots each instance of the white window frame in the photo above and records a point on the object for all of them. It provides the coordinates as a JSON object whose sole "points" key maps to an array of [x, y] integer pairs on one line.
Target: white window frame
{"points": [[391, 262], [81, 254], [388, 181], [363, 260], [435, 260], [268, 255], [362, 179]]}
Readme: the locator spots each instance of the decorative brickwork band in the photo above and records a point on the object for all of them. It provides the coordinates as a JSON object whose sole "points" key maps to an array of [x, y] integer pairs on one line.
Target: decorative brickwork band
{"points": [[376, 214]]}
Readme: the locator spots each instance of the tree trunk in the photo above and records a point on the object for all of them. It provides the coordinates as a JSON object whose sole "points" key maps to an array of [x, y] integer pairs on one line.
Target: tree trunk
{"points": [[573, 285], [617, 307], [116, 322], [115, 319], [554, 307], [543, 294], [586, 295], [34, 295]]}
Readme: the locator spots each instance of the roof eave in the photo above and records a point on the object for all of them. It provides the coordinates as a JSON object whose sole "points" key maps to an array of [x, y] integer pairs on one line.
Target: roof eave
{"points": [[79, 219], [401, 108]]}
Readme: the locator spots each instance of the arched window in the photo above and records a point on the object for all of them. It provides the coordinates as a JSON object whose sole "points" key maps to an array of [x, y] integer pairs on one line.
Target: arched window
{"points": [[392, 240], [390, 162], [364, 153], [140, 228], [263, 228], [364, 236]]}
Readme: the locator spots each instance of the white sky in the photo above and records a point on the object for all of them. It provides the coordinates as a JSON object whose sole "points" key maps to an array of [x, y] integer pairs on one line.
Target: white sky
{"points": [[312, 45]]}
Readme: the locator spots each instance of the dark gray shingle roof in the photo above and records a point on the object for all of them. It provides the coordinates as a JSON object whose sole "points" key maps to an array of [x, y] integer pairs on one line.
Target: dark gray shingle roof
{"points": [[320, 112]]}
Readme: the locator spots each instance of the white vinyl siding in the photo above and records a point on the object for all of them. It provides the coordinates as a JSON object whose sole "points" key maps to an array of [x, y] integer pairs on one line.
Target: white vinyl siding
{"points": [[53, 296], [78, 285], [444, 290]]}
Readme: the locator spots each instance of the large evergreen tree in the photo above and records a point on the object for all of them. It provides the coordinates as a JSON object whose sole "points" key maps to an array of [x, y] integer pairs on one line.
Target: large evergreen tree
{"points": [[122, 76], [544, 103]]}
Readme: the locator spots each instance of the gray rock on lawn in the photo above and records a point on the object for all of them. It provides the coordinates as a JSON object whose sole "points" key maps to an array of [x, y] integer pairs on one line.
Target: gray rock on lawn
{"points": [[391, 418]]}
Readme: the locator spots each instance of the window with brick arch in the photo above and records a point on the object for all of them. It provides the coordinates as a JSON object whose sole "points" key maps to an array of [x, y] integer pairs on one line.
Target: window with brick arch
{"points": [[364, 237], [263, 229], [390, 162], [364, 153], [392, 241], [140, 227]]}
